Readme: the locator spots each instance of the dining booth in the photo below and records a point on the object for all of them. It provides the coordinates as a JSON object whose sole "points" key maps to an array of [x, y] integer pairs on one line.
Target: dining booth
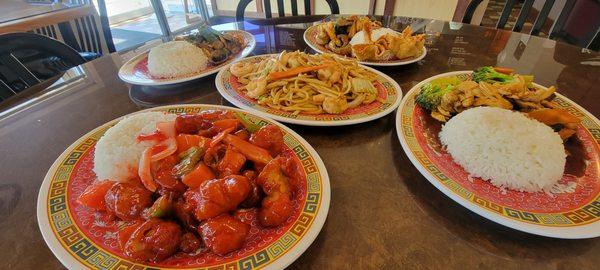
{"points": [[316, 134]]}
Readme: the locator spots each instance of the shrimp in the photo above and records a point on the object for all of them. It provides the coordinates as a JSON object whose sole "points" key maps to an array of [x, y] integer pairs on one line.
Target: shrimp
{"points": [[335, 105], [240, 69], [257, 87], [330, 75]]}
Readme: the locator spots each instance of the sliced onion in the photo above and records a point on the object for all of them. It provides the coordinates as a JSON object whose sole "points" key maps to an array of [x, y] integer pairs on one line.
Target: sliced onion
{"points": [[171, 147], [145, 166], [167, 128], [145, 170]]}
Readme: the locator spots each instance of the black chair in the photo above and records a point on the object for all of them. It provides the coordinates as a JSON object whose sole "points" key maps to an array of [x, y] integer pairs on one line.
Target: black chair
{"points": [[557, 28], [239, 13], [27, 59]]}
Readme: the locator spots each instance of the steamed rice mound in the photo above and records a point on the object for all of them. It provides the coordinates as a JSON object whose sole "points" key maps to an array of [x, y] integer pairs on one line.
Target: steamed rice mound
{"points": [[118, 153], [505, 147], [176, 58]]}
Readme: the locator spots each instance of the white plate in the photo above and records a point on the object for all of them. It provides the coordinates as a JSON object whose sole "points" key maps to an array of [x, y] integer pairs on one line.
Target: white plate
{"points": [[560, 216], [78, 248], [309, 39], [364, 113], [134, 72]]}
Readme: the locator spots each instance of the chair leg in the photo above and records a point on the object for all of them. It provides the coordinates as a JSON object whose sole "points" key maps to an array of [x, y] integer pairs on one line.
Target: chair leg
{"points": [[541, 18], [470, 11], [505, 13], [103, 14], [523, 15], [5, 91], [595, 44], [18, 68]]}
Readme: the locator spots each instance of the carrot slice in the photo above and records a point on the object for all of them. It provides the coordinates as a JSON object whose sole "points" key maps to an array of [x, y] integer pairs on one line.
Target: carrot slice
{"points": [[200, 174], [219, 137], [504, 70], [226, 123], [295, 71], [251, 151], [187, 141], [93, 196]]}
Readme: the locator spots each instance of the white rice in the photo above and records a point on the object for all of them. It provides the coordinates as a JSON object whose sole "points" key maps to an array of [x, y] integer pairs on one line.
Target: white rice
{"points": [[176, 58], [117, 153], [507, 148]]}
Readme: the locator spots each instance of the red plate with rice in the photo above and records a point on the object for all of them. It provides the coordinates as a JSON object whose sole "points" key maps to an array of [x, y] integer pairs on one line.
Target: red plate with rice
{"points": [[564, 215]]}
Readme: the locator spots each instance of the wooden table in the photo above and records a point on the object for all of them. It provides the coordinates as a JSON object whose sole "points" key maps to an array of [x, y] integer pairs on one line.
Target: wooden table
{"points": [[383, 213]]}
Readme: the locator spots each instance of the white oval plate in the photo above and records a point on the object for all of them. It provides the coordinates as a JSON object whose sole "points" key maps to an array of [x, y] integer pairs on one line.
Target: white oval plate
{"points": [[309, 35], [135, 71], [571, 216], [364, 113], [81, 244]]}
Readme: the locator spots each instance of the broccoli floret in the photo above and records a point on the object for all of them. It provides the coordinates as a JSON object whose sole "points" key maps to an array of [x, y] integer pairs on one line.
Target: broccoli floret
{"points": [[431, 95], [488, 74]]}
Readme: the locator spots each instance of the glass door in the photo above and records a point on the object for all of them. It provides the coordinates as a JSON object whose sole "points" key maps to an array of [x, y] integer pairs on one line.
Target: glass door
{"points": [[135, 22], [182, 15], [132, 22]]}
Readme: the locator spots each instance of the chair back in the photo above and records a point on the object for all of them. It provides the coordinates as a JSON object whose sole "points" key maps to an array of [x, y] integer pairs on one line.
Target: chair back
{"points": [[80, 27], [540, 20], [27, 59], [241, 8]]}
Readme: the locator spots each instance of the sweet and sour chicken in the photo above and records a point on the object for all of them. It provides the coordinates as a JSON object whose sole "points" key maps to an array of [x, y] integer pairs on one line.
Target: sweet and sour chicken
{"points": [[202, 169]]}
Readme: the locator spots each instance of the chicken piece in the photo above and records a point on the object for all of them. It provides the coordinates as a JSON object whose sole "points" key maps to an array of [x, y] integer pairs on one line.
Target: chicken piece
{"points": [[277, 204], [154, 240], [127, 200], [218, 196], [224, 234], [526, 106], [184, 213], [231, 163], [255, 195], [189, 243], [440, 117], [269, 137], [493, 102], [540, 94], [335, 105]]}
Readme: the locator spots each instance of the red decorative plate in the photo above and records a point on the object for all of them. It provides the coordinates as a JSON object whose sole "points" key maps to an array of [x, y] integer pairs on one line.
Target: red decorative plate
{"points": [[566, 215], [83, 238], [135, 71], [388, 90], [310, 39]]}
